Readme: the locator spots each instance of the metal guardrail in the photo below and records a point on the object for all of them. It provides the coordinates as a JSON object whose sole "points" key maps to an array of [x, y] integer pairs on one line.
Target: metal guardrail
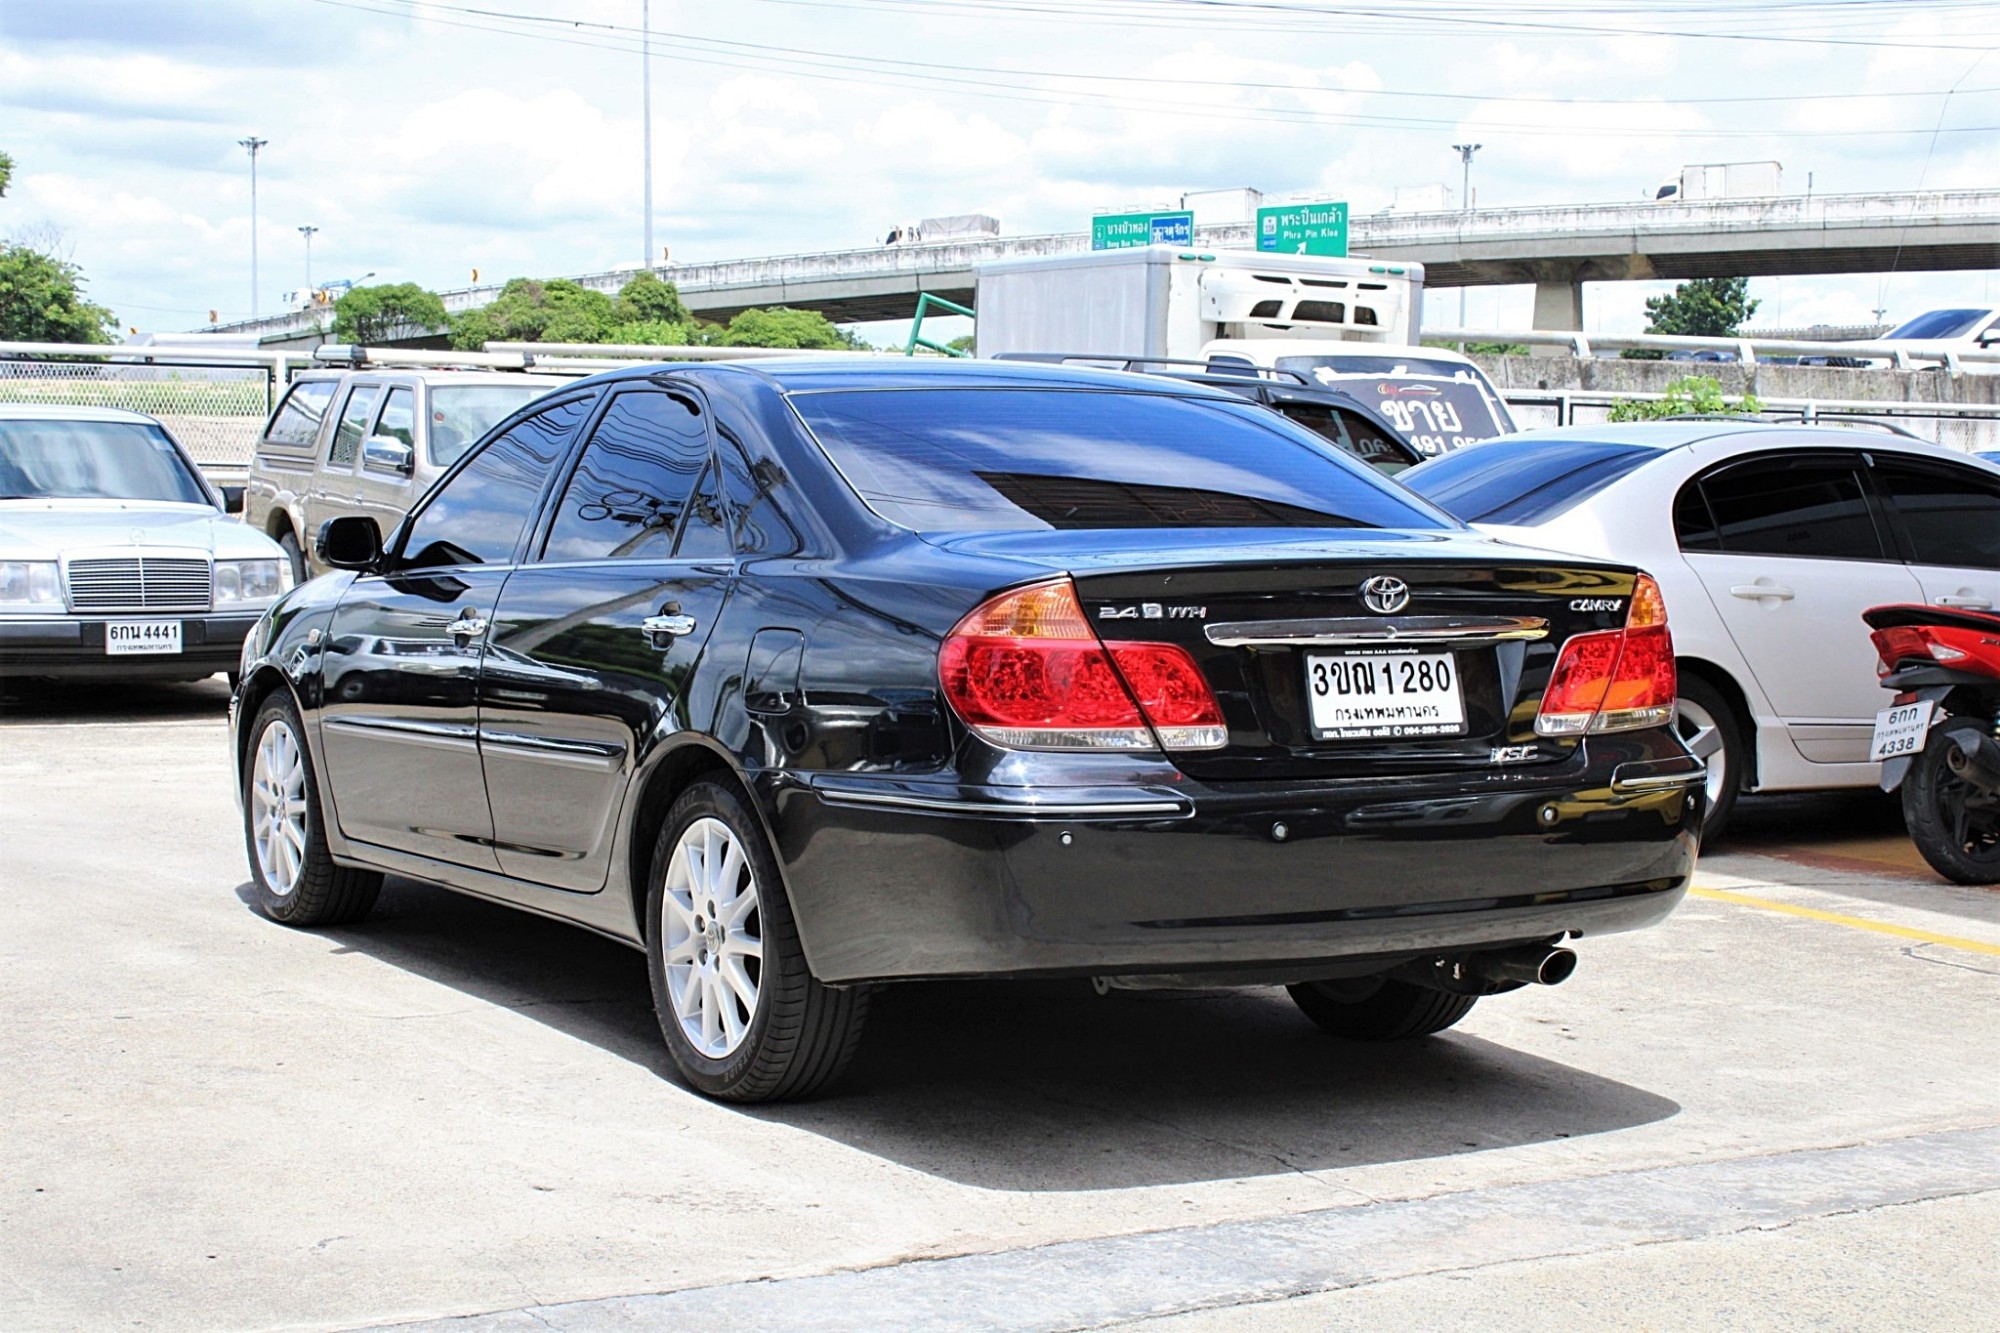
{"points": [[1900, 354]]}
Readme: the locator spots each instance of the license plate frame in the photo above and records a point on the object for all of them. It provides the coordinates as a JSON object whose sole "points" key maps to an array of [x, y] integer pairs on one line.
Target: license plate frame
{"points": [[1900, 730], [143, 638], [1340, 682]]}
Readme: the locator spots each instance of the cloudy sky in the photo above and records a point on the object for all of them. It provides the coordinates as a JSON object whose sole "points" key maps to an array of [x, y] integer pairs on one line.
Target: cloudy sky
{"points": [[429, 138]]}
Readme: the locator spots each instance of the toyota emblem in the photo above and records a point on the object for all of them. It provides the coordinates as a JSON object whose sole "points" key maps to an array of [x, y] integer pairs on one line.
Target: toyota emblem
{"points": [[1384, 594]]}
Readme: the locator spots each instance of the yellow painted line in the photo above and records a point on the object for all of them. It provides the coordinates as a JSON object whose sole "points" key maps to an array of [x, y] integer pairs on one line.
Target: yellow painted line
{"points": [[1854, 922]]}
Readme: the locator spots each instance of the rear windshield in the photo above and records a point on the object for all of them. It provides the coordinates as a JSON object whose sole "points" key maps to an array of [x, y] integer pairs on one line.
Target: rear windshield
{"points": [[461, 413], [93, 460], [1524, 482], [1013, 460], [1939, 324], [1437, 405]]}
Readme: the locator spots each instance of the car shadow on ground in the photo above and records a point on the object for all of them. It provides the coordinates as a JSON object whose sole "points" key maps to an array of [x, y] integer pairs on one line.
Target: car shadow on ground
{"points": [[36, 701], [1047, 1085]]}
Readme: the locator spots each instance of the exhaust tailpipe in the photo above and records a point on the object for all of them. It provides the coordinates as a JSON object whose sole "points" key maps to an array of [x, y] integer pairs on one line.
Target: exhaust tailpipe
{"points": [[1975, 759], [1530, 965]]}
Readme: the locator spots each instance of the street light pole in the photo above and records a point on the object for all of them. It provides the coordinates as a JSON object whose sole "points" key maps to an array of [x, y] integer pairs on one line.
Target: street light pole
{"points": [[646, 113], [253, 143], [307, 232], [1465, 152]]}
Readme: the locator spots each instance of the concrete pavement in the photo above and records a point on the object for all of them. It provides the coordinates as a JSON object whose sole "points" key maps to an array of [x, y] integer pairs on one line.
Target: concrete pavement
{"points": [[209, 1121]]}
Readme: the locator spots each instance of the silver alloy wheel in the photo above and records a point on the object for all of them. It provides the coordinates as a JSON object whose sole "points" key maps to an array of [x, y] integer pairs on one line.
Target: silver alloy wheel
{"points": [[709, 926], [1702, 734], [278, 808]]}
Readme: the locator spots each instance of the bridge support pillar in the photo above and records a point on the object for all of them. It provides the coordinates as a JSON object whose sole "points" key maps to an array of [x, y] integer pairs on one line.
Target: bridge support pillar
{"points": [[1558, 305]]}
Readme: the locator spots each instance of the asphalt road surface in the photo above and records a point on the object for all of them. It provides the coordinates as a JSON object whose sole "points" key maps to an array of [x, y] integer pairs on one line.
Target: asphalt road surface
{"points": [[1781, 1108]]}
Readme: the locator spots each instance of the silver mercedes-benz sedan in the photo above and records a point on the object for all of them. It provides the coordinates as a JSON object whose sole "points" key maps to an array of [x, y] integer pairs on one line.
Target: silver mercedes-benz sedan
{"points": [[117, 557]]}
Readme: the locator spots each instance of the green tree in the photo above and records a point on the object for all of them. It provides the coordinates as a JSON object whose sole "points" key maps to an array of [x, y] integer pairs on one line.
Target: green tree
{"points": [[375, 314], [662, 333], [782, 326], [529, 311], [647, 299], [41, 300], [1698, 308], [1691, 395], [6, 172]]}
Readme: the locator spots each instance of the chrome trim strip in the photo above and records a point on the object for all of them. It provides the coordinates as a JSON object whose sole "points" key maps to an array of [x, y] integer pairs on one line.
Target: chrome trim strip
{"points": [[1658, 782], [949, 806], [1375, 630], [445, 735], [602, 755]]}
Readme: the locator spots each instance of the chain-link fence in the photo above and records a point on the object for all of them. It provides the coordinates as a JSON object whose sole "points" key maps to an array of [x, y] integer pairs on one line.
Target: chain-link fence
{"points": [[217, 411]]}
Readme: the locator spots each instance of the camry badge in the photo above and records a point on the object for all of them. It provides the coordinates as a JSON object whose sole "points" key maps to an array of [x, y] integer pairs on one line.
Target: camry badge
{"points": [[1384, 594]]}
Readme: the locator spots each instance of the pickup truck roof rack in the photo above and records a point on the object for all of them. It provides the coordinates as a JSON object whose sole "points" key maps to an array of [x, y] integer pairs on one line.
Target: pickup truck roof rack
{"points": [[1232, 366]]}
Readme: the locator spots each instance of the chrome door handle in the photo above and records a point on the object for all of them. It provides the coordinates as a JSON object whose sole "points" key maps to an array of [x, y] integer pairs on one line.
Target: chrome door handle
{"points": [[1756, 591], [468, 627], [669, 626], [1966, 603]]}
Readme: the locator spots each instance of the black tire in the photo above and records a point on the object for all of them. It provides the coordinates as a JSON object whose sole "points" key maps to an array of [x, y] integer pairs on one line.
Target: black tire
{"points": [[319, 892], [1702, 710], [799, 1035], [289, 544], [1391, 1011], [1960, 844]]}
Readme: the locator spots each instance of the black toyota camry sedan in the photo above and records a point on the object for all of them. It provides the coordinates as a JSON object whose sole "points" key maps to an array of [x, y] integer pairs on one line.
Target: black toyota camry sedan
{"points": [[809, 676]]}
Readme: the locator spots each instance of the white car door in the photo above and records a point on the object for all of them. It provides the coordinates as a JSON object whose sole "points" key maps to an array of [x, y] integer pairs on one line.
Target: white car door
{"points": [[1791, 552], [1949, 516]]}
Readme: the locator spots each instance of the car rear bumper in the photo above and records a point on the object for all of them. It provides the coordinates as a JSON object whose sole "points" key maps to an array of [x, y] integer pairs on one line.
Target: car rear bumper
{"points": [[74, 647], [901, 879]]}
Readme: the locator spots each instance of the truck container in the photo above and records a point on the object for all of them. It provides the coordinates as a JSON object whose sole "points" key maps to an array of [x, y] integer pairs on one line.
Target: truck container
{"points": [[1721, 180], [1163, 301]]}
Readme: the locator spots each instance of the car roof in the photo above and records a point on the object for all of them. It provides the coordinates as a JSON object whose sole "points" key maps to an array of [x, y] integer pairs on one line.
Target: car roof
{"points": [[822, 373], [71, 412], [1675, 434], [430, 375]]}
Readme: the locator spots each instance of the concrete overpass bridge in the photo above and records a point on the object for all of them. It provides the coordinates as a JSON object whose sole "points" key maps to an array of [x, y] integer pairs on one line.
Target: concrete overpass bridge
{"points": [[1558, 249]]}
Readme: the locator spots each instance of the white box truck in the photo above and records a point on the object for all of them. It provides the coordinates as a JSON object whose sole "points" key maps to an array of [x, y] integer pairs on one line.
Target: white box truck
{"points": [[1164, 301], [1721, 180], [1349, 324]]}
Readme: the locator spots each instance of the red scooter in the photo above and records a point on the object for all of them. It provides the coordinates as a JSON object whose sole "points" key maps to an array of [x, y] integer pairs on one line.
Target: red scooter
{"points": [[1940, 740]]}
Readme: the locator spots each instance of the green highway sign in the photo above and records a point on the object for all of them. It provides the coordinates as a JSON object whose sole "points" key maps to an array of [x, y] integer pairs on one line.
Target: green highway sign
{"points": [[1120, 231], [1303, 229]]}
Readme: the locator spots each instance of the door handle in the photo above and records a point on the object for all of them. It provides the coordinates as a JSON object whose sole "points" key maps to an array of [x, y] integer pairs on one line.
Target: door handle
{"points": [[1759, 591], [1966, 603], [666, 627], [468, 626]]}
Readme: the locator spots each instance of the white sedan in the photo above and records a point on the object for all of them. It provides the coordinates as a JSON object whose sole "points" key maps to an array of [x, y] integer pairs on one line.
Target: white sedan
{"points": [[117, 557], [1768, 542]]}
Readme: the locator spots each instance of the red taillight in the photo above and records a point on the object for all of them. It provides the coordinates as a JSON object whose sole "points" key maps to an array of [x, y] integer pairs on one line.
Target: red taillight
{"points": [[1025, 671], [1614, 680], [1921, 643]]}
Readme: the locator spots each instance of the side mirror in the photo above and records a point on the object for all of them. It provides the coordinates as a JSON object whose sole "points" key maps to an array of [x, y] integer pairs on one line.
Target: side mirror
{"points": [[351, 541], [232, 499], [386, 453]]}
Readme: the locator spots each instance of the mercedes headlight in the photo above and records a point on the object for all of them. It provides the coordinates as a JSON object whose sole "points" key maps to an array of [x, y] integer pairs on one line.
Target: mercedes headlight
{"points": [[30, 585], [251, 582]]}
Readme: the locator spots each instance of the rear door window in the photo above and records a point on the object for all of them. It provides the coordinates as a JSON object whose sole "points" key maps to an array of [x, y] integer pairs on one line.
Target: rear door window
{"points": [[628, 496], [347, 436], [975, 459], [1950, 515], [297, 420], [1814, 506]]}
